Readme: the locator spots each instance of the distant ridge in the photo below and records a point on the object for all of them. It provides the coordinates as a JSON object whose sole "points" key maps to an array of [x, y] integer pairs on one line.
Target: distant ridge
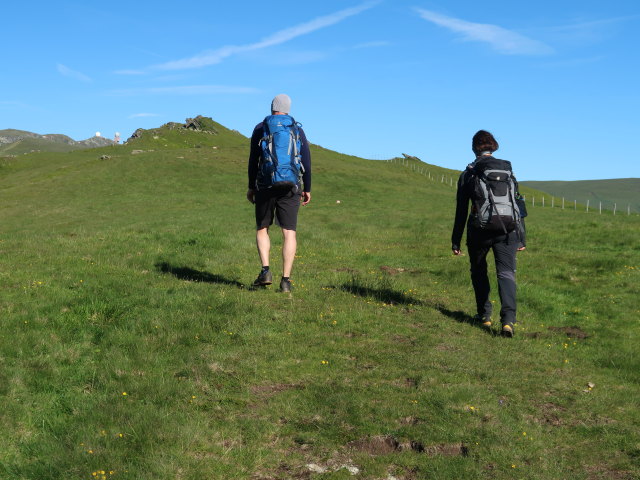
{"points": [[622, 192], [18, 142]]}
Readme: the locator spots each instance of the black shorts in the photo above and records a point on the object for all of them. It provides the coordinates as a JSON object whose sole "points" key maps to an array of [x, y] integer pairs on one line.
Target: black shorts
{"points": [[285, 205]]}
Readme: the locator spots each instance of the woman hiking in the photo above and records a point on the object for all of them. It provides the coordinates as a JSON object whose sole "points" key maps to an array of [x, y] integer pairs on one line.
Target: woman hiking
{"points": [[494, 223]]}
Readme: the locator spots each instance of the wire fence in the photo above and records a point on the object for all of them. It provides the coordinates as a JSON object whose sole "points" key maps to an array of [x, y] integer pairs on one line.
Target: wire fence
{"points": [[418, 166], [598, 206], [539, 201]]}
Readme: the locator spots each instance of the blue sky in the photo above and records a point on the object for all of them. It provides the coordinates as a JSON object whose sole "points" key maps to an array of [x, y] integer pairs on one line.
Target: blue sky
{"points": [[557, 82]]}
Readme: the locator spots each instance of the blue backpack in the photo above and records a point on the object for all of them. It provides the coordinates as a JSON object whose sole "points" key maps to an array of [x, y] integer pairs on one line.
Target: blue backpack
{"points": [[280, 164]]}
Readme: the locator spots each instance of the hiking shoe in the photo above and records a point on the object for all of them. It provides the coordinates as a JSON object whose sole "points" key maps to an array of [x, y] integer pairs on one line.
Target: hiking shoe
{"points": [[507, 330], [285, 286], [483, 320], [265, 278]]}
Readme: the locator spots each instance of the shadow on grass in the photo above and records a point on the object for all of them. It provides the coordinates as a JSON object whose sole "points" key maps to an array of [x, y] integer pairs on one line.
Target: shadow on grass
{"points": [[463, 317], [192, 275], [385, 295], [389, 295]]}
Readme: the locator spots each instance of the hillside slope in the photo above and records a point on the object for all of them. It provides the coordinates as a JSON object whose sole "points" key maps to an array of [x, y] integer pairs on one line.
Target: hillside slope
{"points": [[131, 346]]}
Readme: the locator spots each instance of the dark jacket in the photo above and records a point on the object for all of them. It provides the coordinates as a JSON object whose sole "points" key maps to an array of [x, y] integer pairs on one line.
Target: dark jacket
{"points": [[256, 152], [466, 194]]}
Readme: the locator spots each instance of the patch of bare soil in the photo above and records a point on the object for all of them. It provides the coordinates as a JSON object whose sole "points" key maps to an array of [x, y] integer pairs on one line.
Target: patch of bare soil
{"points": [[411, 420], [551, 414], [386, 444], [271, 389], [606, 472], [345, 269], [391, 270], [266, 391], [284, 471], [571, 332]]}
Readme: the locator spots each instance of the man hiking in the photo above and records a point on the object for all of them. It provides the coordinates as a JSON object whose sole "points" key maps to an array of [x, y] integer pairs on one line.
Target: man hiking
{"points": [[279, 181], [494, 223]]}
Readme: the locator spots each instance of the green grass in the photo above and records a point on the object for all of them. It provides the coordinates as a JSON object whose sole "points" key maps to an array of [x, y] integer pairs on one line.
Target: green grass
{"points": [[130, 275]]}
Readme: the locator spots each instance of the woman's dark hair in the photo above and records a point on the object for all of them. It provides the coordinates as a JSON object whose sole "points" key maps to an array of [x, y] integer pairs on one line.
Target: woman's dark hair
{"points": [[483, 141]]}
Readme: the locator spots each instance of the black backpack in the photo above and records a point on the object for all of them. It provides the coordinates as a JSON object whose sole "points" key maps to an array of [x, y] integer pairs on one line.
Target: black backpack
{"points": [[495, 207]]}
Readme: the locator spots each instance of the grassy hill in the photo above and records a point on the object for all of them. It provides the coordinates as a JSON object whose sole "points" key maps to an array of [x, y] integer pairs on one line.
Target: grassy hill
{"points": [[131, 346], [623, 192]]}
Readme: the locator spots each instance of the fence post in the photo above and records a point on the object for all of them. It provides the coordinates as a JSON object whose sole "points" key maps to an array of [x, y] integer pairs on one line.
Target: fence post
{"points": [[563, 203], [600, 208], [553, 199], [533, 200], [575, 205], [587, 206], [543, 201], [628, 209], [615, 206]]}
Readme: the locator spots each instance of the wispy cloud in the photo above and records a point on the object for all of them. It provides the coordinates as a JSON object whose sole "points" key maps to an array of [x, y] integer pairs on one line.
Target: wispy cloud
{"points": [[500, 39], [144, 115], [291, 57], [186, 90], [585, 32], [67, 72], [589, 24], [213, 57]]}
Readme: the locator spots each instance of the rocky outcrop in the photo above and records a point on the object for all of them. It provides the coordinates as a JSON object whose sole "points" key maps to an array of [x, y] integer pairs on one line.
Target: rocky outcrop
{"points": [[201, 124], [197, 124], [94, 142]]}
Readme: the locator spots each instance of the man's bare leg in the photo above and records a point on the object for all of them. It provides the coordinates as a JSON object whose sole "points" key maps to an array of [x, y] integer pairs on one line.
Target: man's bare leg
{"points": [[263, 242], [288, 251]]}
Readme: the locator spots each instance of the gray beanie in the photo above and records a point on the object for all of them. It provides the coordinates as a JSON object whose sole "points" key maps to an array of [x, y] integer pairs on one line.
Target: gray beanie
{"points": [[281, 103]]}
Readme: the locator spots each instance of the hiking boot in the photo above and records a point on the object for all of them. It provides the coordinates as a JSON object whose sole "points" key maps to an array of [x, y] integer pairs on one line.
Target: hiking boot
{"points": [[507, 330], [483, 320], [285, 285], [265, 278]]}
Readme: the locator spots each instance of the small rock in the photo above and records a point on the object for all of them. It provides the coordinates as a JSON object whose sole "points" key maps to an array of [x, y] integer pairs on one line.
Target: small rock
{"points": [[316, 468], [105, 157], [351, 469], [135, 152]]}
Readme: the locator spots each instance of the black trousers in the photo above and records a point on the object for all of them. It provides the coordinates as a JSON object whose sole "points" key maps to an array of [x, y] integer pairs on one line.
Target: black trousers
{"points": [[504, 247]]}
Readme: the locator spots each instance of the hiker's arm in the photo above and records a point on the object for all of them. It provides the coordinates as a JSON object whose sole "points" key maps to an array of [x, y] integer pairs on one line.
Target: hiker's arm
{"points": [[522, 209], [254, 157], [462, 209], [305, 153], [522, 235]]}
